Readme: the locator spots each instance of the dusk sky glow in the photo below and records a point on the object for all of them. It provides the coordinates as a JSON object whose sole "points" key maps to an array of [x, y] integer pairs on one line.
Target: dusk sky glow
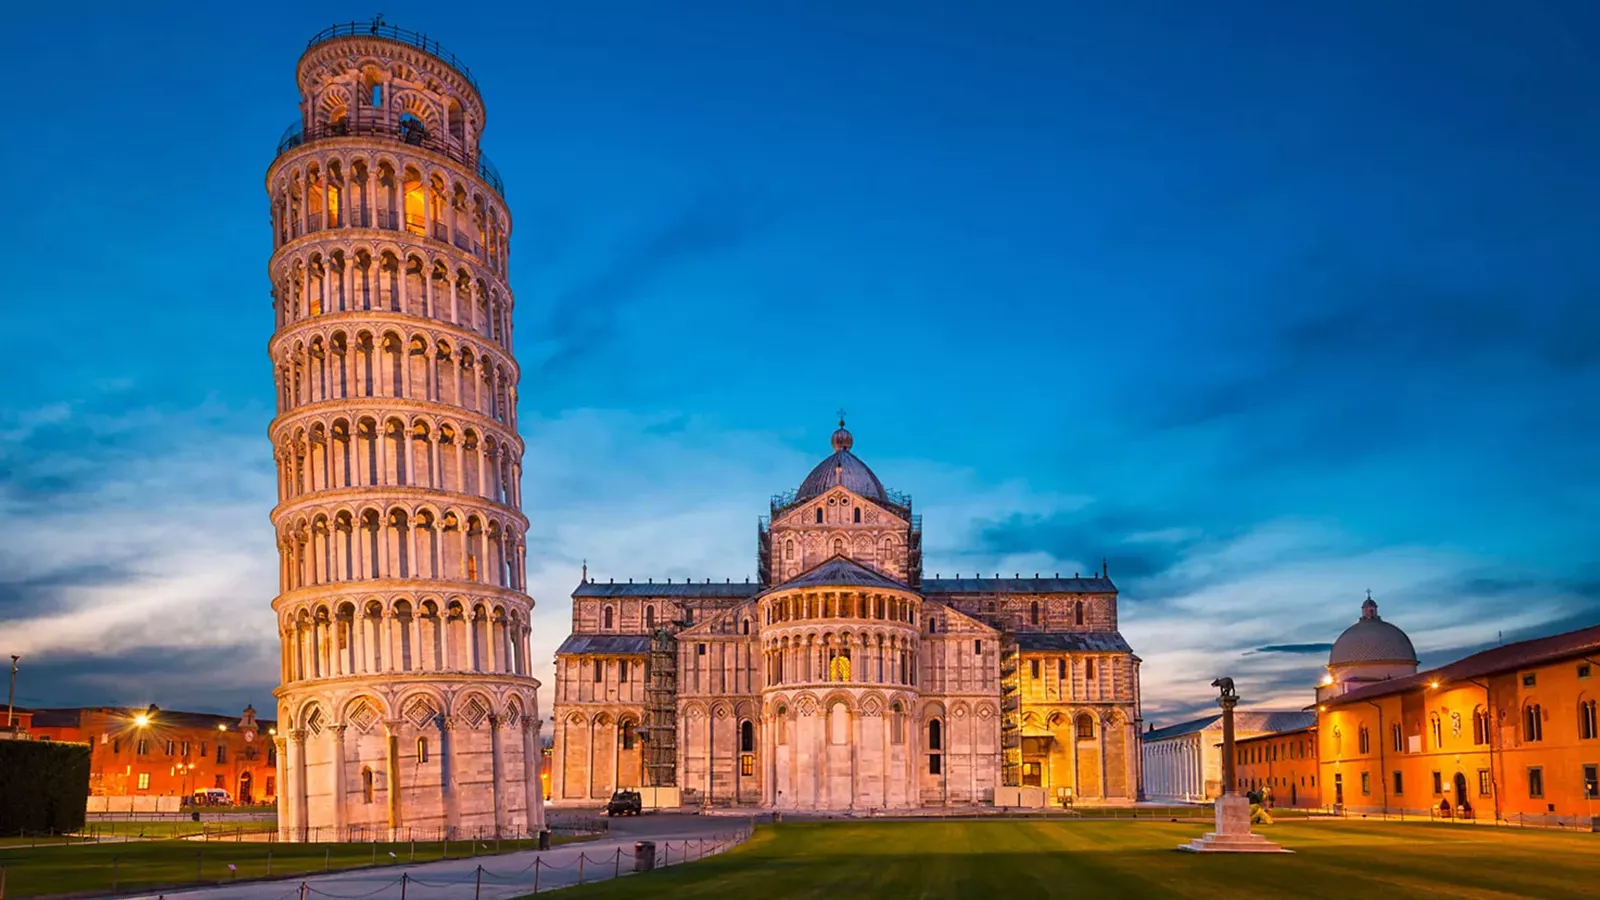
{"points": [[1265, 306]]}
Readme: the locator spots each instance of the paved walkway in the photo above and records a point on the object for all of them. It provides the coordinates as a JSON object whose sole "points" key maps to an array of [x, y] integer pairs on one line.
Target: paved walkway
{"points": [[679, 838]]}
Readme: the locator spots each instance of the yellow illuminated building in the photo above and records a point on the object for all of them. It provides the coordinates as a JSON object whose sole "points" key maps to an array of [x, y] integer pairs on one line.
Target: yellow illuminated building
{"points": [[1509, 733]]}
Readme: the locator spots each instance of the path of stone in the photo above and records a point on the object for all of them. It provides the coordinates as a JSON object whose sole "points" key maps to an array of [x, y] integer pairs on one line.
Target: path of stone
{"points": [[678, 839]]}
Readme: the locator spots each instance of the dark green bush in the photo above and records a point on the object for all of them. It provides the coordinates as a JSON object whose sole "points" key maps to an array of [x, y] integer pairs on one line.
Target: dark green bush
{"points": [[44, 786]]}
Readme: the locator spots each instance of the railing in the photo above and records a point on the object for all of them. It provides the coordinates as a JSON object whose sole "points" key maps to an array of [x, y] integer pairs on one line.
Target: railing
{"points": [[404, 132], [379, 29]]}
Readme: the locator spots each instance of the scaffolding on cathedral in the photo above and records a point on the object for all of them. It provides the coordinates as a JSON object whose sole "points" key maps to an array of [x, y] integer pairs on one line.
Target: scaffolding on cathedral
{"points": [[1010, 695], [661, 711]]}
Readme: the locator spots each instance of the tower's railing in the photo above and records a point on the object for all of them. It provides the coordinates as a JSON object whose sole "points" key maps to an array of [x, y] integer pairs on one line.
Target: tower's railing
{"points": [[393, 130], [379, 29]]}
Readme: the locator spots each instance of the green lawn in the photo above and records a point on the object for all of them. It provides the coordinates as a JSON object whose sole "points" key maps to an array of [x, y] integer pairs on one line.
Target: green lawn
{"points": [[1338, 860], [89, 867]]}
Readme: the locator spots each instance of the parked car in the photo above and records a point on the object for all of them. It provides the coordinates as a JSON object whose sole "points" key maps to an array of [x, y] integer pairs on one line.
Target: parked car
{"points": [[625, 803]]}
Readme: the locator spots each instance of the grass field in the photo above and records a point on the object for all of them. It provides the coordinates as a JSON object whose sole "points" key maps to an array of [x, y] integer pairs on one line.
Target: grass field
{"points": [[90, 867], [1021, 859]]}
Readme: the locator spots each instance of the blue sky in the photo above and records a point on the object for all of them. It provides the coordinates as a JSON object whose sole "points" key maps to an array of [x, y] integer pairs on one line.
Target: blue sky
{"points": [[1266, 306]]}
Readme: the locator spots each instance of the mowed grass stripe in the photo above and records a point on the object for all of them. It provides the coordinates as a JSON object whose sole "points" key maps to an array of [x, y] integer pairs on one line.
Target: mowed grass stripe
{"points": [[1129, 859]]}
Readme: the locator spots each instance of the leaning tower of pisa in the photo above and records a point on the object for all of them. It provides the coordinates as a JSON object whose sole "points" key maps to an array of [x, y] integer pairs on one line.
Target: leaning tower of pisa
{"points": [[406, 707]]}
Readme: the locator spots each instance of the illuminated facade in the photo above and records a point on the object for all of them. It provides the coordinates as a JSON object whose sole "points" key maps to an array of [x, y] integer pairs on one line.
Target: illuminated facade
{"points": [[407, 702], [1282, 766], [159, 753], [1511, 732], [841, 679]]}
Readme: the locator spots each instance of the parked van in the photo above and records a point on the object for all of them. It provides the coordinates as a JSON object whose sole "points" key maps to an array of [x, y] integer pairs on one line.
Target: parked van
{"points": [[212, 797]]}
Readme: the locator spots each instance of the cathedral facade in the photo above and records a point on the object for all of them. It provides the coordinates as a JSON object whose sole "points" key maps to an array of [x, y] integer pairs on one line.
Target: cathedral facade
{"points": [[841, 679]]}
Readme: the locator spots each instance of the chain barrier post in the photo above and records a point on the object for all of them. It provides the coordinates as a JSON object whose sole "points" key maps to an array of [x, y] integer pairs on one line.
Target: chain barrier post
{"points": [[477, 887], [616, 869], [536, 862], [404, 880], [580, 867], [302, 890]]}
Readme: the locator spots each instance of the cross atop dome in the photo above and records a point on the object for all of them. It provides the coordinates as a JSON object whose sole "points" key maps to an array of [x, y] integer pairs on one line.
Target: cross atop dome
{"points": [[842, 439]]}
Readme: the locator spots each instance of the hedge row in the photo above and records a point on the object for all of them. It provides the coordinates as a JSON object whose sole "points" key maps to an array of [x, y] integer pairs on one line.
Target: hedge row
{"points": [[44, 786]]}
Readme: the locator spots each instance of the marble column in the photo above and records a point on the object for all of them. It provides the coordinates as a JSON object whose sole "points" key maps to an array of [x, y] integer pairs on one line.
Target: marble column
{"points": [[495, 773], [338, 781], [532, 764], [391, 773]]}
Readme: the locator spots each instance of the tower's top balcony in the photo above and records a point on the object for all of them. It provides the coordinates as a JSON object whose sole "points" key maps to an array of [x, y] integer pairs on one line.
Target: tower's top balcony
{"points": [[377, 28]]}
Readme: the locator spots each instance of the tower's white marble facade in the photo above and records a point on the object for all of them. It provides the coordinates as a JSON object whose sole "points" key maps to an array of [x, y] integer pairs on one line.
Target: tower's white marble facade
{"points": [[407, 705]]}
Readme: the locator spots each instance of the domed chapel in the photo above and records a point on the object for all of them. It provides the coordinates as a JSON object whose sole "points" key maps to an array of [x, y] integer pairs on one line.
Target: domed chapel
{"points": [[839, 678]]}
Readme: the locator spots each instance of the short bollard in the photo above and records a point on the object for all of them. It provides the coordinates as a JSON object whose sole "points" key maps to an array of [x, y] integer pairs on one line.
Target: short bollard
{"points": [[544, 840], [644, 856]]}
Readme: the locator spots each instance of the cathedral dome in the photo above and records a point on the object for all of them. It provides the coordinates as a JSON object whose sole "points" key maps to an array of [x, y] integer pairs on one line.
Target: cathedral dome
{"points": [[842, 469], [1372, 640]]}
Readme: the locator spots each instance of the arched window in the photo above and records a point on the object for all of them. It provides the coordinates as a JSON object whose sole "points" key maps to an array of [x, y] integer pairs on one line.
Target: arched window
{"points": [[1436, 727], [609, 618], [650, 617], [366, 784], [747, 737], [1397, 738], [1033, 613], [1061, 669], [745, 627], [839, 668], [1588, 727], [1084, 726], [412, 131], [838, 546], [1532, 723], [1363, 741], [788, 549], [783, 724], [858, 515], [897, 724], [1077, 615], [422, 749], [1480, 726], [935, 735], [625, 734], [819, 515]]}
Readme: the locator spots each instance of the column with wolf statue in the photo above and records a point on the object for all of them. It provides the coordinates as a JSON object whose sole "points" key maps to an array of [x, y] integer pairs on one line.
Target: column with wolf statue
{"points": [[1233, 833]]}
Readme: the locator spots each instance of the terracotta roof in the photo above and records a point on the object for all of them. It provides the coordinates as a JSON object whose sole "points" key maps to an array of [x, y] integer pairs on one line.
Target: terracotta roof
{"points": [[1494, 661]]}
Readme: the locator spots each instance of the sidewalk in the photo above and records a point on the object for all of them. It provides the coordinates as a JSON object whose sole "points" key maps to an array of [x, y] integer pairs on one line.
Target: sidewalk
{"points": [[497, 878]]}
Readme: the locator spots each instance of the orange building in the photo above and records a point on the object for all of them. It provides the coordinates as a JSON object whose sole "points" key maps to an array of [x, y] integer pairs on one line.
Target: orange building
{"points": [[1510, 732], [1282, 765], [160, 753]]}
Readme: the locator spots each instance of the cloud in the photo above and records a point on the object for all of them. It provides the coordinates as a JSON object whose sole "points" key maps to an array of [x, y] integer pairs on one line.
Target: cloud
{"points": [[583, 316], [1313, 649]]}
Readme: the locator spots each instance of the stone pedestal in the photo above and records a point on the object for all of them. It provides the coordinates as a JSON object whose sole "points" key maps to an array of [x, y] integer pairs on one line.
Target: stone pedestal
{"points": [[1233, 833]]}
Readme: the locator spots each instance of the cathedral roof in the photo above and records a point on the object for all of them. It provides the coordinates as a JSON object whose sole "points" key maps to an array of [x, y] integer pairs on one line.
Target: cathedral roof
{"points": [[842, 469], [843, 572], [1073, 641], [1265, 721], [609, 644], [709, 590], [1094, 584]]}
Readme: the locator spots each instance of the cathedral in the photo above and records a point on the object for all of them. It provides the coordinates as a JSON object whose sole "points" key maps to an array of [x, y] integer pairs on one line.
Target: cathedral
{"points": [[841, 679]]}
